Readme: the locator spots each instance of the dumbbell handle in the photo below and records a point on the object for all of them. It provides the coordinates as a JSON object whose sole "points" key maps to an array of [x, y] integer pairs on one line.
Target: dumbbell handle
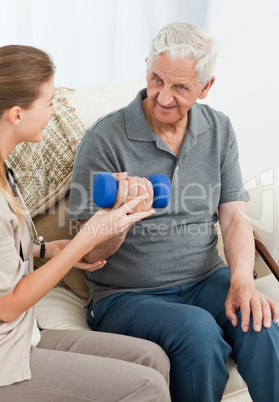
{"points": [[105, 190]]}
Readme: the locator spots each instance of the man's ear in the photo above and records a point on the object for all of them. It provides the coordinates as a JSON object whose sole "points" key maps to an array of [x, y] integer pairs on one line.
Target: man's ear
{"points": [[15, 115], [206, 88]]}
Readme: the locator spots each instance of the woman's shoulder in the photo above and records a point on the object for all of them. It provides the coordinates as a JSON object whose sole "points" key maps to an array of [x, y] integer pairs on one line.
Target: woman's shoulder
{"points": [[5, 211], [3, 200]]}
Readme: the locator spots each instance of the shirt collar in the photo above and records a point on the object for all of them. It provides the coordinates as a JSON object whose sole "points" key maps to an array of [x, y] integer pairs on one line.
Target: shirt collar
{"points": [[138, 128], [198, 123], [136, 124]]}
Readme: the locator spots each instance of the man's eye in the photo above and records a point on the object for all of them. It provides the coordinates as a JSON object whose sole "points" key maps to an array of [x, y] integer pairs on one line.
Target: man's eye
{"points": [[181, 87]]}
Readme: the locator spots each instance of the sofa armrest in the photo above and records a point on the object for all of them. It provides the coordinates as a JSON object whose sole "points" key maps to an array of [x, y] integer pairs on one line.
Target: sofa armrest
{"points": [[264, 213], [267, 257]]}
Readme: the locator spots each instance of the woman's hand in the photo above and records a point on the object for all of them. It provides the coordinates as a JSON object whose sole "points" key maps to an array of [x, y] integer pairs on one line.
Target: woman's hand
{"points": [[104, 225], [131, 187], [107, 226], [88, 266], [54, 247], [108, 223]]}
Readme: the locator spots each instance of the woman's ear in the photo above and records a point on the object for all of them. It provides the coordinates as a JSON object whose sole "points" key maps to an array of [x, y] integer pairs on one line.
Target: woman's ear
{"points": [[15, 115]]}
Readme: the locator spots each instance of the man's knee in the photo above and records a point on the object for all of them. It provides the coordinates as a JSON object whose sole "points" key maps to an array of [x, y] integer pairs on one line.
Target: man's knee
{"points": [[197, 328], [266, 341]]}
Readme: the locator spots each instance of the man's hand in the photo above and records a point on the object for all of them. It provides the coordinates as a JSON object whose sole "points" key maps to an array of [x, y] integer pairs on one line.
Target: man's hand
{"points": [[244, 296], [131, 187], [128, 189], [239, 249]]}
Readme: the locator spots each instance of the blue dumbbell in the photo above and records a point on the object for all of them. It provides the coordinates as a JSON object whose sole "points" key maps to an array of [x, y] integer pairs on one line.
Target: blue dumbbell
{"points": [[105, 190]]}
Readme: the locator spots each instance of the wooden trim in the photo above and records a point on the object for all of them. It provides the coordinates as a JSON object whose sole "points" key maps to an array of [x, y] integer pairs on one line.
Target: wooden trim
{"points": [[266, 256]]}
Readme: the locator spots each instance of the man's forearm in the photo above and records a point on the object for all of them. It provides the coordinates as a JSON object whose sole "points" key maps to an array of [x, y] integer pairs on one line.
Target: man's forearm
{"points": [[106, 249], [238, 240], [239, 249]]}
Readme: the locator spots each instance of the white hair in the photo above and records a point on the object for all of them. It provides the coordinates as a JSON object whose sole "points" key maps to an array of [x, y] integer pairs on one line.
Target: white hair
{"points": [[180, 40]]}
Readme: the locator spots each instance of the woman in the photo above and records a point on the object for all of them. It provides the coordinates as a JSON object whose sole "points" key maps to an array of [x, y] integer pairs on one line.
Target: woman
{"points": [[56, 365]]}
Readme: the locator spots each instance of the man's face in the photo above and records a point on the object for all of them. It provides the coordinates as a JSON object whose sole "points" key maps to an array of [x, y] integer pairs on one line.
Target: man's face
{"points": [[172, 89]]}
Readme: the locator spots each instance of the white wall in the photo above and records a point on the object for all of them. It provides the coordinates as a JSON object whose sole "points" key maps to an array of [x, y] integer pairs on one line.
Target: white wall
{"points": [[247, 68], [247, 77], [94, 42]]}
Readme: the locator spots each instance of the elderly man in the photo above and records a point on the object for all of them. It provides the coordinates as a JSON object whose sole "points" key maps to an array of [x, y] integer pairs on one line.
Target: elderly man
{"points": [[164, 280]]}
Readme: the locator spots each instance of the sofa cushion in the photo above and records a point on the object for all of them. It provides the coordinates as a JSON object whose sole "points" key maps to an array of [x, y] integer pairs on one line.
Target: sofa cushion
{"points": [[61, 309], [91, 103]]}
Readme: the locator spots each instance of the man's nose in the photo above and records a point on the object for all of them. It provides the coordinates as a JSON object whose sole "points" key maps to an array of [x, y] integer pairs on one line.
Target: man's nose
{"points": [[165, 97]]}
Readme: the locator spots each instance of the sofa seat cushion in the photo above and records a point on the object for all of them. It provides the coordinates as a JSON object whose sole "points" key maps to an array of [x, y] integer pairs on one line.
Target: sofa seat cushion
{"points": [[61, 309]]}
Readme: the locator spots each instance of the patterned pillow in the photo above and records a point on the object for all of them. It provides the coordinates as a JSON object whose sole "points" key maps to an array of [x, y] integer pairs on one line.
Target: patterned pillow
{"points": [[43, 170]]}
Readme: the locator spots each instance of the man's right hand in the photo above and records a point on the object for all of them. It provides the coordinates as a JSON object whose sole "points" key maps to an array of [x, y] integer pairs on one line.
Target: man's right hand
{"points": [[131, 187], [128, 188]]}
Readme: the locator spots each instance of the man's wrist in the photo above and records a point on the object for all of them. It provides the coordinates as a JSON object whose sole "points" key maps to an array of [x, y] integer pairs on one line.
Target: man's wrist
{"points": [[242, 276]]}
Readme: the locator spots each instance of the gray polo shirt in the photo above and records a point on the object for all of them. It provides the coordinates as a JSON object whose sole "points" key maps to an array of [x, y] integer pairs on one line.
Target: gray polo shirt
{"points": [[176, 245]]}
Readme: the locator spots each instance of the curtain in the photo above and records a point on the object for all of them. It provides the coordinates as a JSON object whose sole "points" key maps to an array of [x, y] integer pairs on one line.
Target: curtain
{"points": [[94, 42]]}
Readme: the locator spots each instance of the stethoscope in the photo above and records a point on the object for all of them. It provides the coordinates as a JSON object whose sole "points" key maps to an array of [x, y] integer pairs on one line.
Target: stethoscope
{"points": [[35, 239]]}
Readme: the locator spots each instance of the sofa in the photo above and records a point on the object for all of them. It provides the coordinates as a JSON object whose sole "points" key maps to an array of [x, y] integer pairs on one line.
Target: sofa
{"points": [[44, 174]]}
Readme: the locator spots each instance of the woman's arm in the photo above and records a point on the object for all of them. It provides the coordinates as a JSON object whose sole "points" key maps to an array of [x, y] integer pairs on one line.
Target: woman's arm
{"points": [[105, 224], [54, 247]]}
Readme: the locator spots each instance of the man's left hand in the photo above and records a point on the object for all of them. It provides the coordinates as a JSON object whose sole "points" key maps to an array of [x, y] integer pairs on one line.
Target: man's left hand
{"points": [[244, 296]]}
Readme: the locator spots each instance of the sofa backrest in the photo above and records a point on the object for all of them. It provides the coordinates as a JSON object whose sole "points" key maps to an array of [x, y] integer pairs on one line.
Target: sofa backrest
{"points": [[91, 103]]}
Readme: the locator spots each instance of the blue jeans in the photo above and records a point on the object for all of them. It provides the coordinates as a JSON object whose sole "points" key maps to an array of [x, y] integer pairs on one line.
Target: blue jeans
{"points": [[190, 324]]}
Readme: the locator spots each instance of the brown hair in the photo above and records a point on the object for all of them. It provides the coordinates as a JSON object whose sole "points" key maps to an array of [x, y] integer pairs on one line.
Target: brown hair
{"points": [[23, 71]]}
